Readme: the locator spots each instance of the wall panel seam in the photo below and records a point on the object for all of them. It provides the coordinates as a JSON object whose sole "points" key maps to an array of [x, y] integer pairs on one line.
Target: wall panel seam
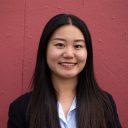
{"points": [[23, 49]]}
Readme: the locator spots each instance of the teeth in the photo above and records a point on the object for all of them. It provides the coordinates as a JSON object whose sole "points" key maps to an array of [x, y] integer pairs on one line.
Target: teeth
{"points": [[67, 64]]}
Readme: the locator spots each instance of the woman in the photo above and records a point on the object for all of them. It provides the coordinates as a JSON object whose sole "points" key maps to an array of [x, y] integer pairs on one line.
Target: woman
{"points": [[65, 93]]}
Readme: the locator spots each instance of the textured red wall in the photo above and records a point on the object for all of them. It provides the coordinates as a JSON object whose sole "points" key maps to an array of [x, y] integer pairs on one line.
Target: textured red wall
{"points": [[21, 24]]}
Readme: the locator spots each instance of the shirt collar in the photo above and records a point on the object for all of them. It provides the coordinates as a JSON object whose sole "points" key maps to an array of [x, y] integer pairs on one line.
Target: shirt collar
{"points": [[60, 109], [73, 106]]}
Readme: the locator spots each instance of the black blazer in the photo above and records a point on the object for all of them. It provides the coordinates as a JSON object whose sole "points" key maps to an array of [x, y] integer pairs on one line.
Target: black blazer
{"points": [[17, 112]]}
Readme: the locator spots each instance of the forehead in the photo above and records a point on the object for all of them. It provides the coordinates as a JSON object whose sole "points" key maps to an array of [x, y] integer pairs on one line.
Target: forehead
{"points": [[69, 32]]}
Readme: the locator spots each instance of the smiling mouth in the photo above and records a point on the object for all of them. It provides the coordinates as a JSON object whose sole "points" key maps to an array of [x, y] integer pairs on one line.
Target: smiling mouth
{"points": [[68, 64]]}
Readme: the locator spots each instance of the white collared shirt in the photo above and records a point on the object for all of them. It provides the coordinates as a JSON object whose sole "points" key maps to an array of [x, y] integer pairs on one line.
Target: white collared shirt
{"points": [[70, 120]]}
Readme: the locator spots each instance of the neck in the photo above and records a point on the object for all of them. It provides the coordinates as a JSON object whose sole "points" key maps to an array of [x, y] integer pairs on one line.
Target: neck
{"points": [[66, 91], [65, 87]]}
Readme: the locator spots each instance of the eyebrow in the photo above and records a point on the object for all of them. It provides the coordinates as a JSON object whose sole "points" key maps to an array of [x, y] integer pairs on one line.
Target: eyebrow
{"points": [[79, 40], [76, 40], [61, 39]]}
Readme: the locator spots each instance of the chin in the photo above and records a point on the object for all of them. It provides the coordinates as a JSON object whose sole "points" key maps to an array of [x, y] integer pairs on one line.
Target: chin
{"points": [[68, 76]]}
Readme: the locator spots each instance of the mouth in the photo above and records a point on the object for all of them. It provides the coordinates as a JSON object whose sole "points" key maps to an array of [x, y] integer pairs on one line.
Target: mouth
{"points": [[67, 64]]}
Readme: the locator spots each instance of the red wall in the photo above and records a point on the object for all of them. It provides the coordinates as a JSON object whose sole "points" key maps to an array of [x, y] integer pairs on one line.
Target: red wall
{"points": [[21, 24]]}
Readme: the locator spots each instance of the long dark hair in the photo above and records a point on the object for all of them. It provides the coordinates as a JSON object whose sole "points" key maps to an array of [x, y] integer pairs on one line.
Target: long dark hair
{"points": [[93, 106]]}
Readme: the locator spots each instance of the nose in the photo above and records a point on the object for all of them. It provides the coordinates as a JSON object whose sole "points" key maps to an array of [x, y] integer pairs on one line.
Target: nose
{"points": [[68, 53]]}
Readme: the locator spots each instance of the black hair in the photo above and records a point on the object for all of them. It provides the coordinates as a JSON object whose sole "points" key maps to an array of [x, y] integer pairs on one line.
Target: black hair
{"points": [[93, 106]]}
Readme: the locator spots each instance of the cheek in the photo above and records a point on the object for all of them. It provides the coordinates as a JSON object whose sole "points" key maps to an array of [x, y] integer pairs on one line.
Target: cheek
{"points": [[52, 56], [83, 57]]}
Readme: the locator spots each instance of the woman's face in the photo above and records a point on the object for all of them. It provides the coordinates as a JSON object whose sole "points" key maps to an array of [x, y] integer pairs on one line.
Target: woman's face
{"points": [[66, 52]]}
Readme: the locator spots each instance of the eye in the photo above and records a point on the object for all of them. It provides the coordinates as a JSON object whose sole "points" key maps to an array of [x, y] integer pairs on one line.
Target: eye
{"points": [[59, 45], [78, 46]]}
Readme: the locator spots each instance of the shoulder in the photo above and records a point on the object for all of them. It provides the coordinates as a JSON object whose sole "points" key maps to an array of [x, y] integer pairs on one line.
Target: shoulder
{"points": [[22, 100], [17, 111], [111, 99], [114, 109], [20, 104]]}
